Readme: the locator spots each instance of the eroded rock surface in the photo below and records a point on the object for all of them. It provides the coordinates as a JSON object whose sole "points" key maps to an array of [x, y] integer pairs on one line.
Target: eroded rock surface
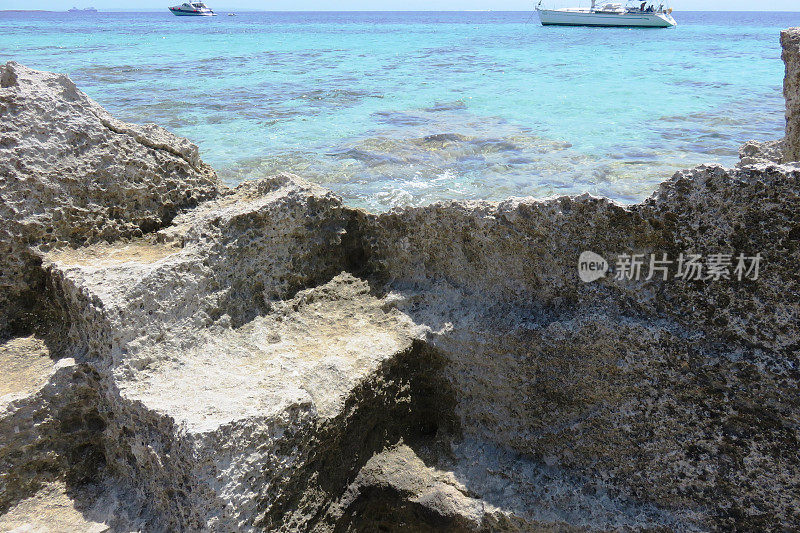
{"points": [[231, 395], [790, 41], [616, 380], [72, 174], [761, 153], [273, 360], [52, 508], [50, 427]]}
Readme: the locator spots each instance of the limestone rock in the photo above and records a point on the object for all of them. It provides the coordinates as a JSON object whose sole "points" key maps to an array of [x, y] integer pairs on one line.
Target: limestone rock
{"points": [[480, 487], [397, 491], [49, 421], [72, 174], [761, 153], [246, 424], [790, 41], [608, 379], [223, 263], [50, 509], [26, 367], [223, 383]]}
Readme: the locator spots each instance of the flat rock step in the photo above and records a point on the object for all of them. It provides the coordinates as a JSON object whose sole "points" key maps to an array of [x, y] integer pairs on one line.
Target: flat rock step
{"points": [[221, 433], [312, 353], [49, 420], [53, 509], [216, 424], [26, 365]]}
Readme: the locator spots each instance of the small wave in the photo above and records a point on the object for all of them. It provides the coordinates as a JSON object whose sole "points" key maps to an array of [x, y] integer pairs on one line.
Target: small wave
{"points": [[438, 107], [371, 159], [399, 118]]}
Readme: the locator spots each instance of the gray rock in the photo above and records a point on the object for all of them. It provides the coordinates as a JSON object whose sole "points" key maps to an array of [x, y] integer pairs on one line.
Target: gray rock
{"points": [[72, 174], [224, 384], [52, 508], [612, 380], [790, 41], [397, 491], [49, 420], [227, 391], [480, 488], [761, 153]]}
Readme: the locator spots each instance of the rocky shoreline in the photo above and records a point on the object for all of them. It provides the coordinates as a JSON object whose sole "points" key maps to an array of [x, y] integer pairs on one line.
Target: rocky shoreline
{"points": [[183, 356]]}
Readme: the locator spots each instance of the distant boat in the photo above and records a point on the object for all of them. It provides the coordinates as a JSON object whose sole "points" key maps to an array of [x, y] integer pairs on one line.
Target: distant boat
{"points": [[192, 9], [84, 10], [231, 14], [641, 14]]}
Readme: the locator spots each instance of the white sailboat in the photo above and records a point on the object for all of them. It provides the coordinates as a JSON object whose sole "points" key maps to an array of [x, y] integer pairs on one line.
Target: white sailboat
{"points": [[643, 14]]}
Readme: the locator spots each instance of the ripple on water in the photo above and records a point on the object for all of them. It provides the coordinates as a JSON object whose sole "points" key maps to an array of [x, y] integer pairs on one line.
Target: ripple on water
{"points": [[447, 152], [399, 108]]}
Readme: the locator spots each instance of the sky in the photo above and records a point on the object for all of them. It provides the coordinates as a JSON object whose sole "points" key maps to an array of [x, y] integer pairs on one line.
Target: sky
{"points": [[385, 5]]}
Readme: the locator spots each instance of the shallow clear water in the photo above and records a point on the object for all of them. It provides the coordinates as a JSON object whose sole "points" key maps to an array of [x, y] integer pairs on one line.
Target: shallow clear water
{"points": [[408, 108]]}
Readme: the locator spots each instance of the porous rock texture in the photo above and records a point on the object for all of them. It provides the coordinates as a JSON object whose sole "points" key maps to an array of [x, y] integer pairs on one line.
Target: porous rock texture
{"points": [[790, 41], [72, 174], [673, 393], [273, 360], [50, 427], [756, 153]]}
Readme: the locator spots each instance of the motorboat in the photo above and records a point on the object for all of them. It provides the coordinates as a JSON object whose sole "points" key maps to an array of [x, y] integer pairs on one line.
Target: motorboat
{"points": [[192, 9], [633, 14]]}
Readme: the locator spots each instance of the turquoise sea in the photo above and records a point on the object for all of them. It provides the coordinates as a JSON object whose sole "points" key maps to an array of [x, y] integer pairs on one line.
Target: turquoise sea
{"points": [[408, 108]]}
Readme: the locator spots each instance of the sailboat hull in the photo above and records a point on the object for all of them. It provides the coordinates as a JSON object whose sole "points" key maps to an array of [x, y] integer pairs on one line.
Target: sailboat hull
{"points": [[565, 17], [183, 13]]}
